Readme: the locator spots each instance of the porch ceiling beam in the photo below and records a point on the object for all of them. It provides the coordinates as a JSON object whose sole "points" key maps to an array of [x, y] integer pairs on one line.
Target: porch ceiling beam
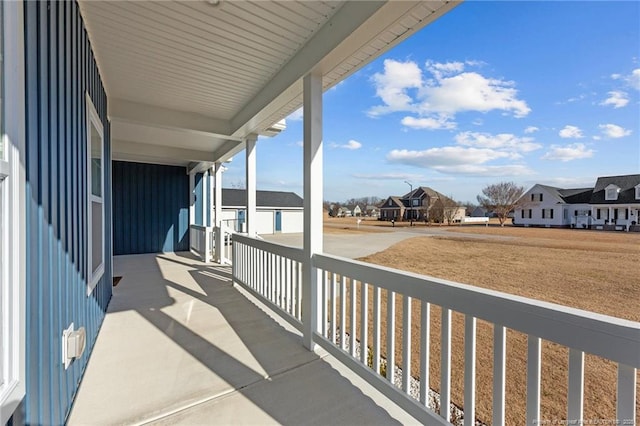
{"points": [[120, 109], [341, 25], [228, 150], [159, 154]]}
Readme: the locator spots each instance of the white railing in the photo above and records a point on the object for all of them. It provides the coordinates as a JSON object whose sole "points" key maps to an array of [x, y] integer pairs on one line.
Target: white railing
{"points": [[224, 235], [200, 241], [273, 273]]}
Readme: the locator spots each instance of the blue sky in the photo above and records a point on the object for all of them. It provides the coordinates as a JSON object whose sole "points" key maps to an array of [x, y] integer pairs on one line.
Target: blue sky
{"points": [[531, 92]]}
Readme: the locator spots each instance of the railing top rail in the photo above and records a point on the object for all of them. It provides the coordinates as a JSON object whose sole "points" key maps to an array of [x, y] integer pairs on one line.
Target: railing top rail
{"points": [[199, 227], [609, 337], [285, 251]]}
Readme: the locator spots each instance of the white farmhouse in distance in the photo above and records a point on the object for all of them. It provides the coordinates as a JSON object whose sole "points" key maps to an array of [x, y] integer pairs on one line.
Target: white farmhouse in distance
{"points": [[613, 204]]}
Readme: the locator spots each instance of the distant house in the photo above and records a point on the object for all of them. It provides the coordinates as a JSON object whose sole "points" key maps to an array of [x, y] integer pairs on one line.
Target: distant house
{"points": [[276, 211], [372, 211], [612, 204], [415, 205], [479, 212], [357, 211]]}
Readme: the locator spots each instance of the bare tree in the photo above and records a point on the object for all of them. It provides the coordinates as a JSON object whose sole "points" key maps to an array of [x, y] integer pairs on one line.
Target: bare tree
{"points": [[444, 209], [501, 198]]}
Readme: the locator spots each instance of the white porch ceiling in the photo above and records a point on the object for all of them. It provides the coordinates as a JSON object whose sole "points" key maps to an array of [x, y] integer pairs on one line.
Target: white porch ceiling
{"points": [[193, 78]]}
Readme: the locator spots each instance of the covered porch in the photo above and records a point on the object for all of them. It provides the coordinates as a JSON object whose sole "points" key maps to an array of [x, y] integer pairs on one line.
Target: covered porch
{"points": [[194, 84], [181, 345]]}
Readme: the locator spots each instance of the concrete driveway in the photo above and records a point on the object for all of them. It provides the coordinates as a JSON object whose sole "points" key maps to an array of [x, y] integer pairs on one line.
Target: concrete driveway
{"points": [[354, 245]]}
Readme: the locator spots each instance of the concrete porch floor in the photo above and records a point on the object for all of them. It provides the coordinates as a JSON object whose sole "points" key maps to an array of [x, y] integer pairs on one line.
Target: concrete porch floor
{"points": [[181, 345]]}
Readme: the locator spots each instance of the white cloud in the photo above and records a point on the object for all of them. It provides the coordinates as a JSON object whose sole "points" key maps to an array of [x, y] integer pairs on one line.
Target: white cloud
{"points": [[295, 115], [389, 176], [616, 99], [432, 123], [470, 91], [458, 160], [392, 86], [633, 79], [445, 156], [352, 145], [502, 141], [401, 87], [613, 131], [300, 144], [572, 132], [564, 153]]}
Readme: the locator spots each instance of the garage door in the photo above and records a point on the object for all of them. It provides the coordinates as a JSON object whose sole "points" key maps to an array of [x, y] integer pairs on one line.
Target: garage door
{"points": [[265, 222]]}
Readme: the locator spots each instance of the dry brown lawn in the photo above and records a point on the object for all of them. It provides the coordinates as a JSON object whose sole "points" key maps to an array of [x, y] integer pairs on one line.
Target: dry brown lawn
{"points": [[592, 270]]}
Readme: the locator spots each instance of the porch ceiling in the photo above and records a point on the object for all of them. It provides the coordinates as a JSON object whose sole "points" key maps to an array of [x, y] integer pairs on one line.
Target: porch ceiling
{"points": [[195, 77]]}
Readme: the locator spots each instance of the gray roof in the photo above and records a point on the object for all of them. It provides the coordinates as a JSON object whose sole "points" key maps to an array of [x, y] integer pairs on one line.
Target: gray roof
{"points": [[626, 183], [576, 196], [238, 197]]}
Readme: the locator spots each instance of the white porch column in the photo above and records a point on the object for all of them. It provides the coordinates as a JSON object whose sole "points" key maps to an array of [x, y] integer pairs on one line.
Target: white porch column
{"points": [[192, 199], [312, 109], [251, 217], [217, 209], [610, 216], [212, 182], [205, 201]]}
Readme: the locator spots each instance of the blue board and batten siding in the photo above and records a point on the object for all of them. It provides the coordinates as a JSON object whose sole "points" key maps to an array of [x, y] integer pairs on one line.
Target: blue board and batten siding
{"points": [[150, 208], [60, 69]]}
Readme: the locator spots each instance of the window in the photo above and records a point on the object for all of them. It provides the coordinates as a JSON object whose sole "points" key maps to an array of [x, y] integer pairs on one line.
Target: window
{"points": [[95, 208], [637, 192], [415, 202], [611, 192], [529, 213], [390, 202], [532, 197], [550, 213], [12, 231], [540, 197], [598, 214], [544, 211], [522, 213]]}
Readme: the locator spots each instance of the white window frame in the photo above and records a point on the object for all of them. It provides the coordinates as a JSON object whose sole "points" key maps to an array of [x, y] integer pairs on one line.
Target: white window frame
{"points": [[12, 224], [93, 277], [614, 188], [638, 192]]}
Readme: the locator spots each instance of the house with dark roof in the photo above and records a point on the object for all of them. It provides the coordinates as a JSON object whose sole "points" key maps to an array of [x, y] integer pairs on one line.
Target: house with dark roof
{"points": [[612, 204], [277, 211], [417, 205]]}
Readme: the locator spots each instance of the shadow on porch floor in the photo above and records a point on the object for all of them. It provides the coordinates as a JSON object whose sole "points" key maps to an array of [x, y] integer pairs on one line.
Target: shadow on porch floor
{"points": [[180, 345]]}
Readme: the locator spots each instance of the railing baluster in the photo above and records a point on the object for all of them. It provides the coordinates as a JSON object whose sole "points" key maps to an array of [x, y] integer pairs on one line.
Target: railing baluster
{"points": [[425, 314], [343, 312], [533, 379], [445, 365], [299, 282], [333, 308], [323, 301], [391, 338], [364, 323], [353, 318], [376, 329], [576, 386], [626, 395], [499, 368], [406, 344], [469, 370]]}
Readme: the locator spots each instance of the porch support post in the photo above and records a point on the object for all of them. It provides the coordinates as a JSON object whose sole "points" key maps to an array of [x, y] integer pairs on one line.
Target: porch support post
{"points": [[205, 200], [311, 285], [192, 199], [250, 150], [217, 210], [212, 200]]}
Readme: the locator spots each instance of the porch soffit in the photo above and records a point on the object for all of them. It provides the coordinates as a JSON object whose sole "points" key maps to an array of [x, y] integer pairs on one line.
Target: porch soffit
{"points": [[198, 77]]}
